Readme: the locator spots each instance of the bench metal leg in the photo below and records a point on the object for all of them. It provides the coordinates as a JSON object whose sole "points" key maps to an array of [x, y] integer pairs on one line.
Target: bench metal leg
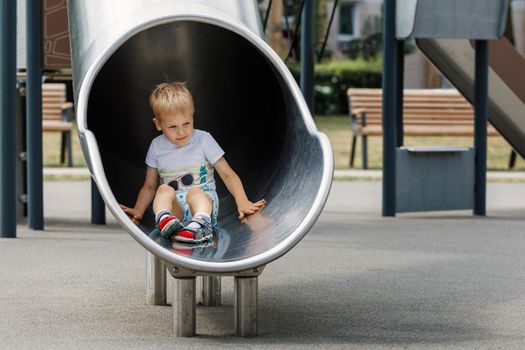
{"points": [[155, 280], [69, 150], [66, 148], [210, 291], [352, 151], [512, 159], [364, 150], [62, 147], [184, 307], [245, 307]]}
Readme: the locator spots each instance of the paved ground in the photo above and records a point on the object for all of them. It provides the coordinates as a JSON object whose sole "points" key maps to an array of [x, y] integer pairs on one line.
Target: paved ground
{"points": [[418, 281]]}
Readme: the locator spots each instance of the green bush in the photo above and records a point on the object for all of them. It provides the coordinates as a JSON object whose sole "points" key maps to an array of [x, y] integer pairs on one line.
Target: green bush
{"points": [[332, 79]]}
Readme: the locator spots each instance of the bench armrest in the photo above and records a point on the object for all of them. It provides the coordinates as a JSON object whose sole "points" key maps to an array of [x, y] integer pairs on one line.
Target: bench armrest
{"points": [[66, 105], [356, 111], [68, 112], [354, 115]]}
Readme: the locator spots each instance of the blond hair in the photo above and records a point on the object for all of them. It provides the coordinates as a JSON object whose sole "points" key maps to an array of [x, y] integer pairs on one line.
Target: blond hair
{"points": [[173, 97]]}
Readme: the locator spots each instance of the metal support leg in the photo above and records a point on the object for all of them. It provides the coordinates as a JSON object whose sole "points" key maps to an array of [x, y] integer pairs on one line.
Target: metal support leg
{"points": [[307, 54], [21, 175], [400, 72], [210, 293], [155, 280], [169, 289], [7, 119], [390, 66], [245, 307], [35, 192], [98, 207], [184, 307], [480, 126]]}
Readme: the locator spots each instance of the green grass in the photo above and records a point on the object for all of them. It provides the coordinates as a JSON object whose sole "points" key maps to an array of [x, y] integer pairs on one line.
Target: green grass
{"points": [[337, 66], [340, 134], [51, 150]]}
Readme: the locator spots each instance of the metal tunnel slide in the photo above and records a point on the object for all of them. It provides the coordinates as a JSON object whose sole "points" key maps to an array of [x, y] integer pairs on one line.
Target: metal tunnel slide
{"points": [[244, 96], [455, 59]]}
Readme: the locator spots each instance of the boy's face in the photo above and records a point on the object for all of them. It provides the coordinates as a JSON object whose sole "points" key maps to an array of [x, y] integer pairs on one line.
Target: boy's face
{"points": [[177, 127]]}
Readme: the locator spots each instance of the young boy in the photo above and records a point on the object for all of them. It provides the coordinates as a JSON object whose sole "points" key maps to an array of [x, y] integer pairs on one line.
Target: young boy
{"points": [[183, 159]]}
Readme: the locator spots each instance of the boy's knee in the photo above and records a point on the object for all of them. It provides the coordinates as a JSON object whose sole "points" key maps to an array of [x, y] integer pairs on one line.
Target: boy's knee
{"points": [[196, 192], [165, 189]]}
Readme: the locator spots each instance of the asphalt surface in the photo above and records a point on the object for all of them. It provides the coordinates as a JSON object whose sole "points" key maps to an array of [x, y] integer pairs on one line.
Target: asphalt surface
{"points": [[445, 280]]}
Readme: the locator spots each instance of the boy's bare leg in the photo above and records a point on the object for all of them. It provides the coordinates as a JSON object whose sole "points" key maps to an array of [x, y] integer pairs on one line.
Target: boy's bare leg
{"points": [[198, 201], [200, 227], [166, 198], [168, 211]]}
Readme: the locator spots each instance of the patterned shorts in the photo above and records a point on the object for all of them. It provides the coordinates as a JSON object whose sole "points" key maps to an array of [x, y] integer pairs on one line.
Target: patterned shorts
{"points": [[181, 197]]}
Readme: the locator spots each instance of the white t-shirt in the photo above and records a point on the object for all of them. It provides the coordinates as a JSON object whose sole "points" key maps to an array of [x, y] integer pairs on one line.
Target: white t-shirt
{"points": [[186, 166]]}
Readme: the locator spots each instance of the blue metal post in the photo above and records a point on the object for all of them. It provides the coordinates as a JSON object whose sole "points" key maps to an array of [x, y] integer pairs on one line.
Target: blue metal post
{"points": [[390, 85], [35, 196], [98, 208], [7, 119], [307, 54], [480, 126], [400, 80]]}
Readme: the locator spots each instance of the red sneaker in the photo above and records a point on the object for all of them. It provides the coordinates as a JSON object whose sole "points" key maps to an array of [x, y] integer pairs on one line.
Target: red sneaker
{"points": [[196, 235], [169, 226]]}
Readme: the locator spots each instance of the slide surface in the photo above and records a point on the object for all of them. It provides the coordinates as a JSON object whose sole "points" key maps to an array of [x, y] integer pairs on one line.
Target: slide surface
{"points": [[455, 58]]}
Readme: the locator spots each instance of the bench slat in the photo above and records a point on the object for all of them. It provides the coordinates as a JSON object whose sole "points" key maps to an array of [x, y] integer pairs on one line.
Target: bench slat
{"points": [[54, 108], [53, 102], [52, 125], [413, 105], [416, 130]]}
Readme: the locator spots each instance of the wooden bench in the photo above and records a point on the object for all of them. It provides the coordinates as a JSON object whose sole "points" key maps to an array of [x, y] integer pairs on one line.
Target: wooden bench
{"points": [[436, 112], [57, 116]]}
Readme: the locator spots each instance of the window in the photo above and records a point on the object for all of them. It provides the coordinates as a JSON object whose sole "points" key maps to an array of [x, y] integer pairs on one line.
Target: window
{"points": [[347, 19]]}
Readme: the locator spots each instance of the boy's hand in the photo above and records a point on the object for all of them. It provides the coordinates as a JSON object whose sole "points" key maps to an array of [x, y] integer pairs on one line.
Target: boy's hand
{"points": [[133, 214], [246, 207]]}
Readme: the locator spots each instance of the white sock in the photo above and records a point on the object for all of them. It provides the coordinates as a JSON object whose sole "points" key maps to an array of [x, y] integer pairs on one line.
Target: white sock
{"points": [[161, 214], [202, 216]]}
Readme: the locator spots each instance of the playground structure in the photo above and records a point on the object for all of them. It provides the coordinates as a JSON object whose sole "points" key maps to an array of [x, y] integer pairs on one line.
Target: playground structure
{"points": [[120, 51], [506, 94], [455, 35]]}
